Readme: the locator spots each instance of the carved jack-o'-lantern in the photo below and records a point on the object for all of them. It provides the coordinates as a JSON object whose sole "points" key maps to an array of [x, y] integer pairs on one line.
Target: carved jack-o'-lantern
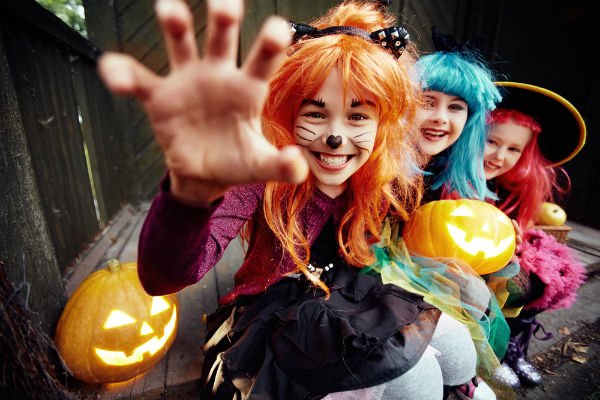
{"points": [[471, 230], [111, 330]]}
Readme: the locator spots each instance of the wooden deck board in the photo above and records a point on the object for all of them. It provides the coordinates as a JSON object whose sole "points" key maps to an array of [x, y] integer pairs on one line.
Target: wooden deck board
{"points": [[114, 236], [178, 374], [586, 242]]}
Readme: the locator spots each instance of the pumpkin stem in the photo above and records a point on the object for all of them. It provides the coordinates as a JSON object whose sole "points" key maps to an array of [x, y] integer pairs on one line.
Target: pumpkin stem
{"points": [[113, 265]]}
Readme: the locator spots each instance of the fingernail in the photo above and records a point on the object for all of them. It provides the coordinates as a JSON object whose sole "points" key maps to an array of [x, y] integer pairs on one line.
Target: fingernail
{"points": [[163, 7]]}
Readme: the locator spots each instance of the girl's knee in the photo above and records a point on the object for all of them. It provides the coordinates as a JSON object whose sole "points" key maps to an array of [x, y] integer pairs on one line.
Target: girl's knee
{"points": [[423, 381], [457, 355]]}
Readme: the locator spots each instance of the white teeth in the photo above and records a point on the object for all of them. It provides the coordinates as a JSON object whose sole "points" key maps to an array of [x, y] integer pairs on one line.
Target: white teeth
{"points": [[334, 161], [491, 166], [432, 133]]}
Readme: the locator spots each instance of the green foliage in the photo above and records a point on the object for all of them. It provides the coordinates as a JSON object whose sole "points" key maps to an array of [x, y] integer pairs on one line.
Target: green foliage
{"points": [[70, 11]]}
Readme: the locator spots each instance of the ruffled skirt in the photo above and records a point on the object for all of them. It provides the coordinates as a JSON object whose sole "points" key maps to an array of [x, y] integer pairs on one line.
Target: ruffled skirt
{"points": [[292, 343], [553, 270]]}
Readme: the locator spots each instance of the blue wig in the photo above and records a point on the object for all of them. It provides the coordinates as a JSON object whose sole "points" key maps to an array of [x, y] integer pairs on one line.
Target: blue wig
{"points": [[465, 76]]}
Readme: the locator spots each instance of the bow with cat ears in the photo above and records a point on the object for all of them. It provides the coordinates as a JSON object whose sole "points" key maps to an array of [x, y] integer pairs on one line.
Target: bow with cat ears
{"points": [[394, 39]]}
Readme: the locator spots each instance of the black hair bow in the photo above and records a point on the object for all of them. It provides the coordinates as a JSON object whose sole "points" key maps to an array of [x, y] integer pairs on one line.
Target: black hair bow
{"points": [[393, 39]]}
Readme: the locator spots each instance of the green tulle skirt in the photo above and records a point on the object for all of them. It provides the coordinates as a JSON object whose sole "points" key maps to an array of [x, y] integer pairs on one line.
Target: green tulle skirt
{"points": [[454, 288]]}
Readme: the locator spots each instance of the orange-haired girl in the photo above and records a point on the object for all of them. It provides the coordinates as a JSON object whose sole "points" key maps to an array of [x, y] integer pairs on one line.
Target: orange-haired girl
{"points": [[329, 136]]}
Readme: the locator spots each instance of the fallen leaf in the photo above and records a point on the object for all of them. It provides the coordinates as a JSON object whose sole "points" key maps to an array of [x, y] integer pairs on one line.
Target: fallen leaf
{"points": [[580, 348], [579, 359], [564, 331]]}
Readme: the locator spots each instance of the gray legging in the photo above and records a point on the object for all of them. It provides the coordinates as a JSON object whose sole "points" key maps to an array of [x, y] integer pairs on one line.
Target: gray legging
{"points": [[449, 360]]}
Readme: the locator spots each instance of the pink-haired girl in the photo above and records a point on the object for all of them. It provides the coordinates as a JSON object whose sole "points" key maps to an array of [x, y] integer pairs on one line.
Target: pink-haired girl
{"points": [[532, 132]]}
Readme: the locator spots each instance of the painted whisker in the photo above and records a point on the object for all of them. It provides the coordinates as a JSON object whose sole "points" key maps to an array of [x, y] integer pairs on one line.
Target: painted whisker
{"points": [[306, 129], [303, 138]]}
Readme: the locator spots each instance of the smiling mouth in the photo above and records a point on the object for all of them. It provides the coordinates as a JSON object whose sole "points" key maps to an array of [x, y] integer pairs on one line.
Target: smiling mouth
{"points": [[490, 166], [333, 161], [433, 134]]}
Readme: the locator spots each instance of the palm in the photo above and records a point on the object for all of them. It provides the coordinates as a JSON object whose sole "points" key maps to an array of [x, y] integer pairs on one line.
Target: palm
{"points": [[216, 137]]}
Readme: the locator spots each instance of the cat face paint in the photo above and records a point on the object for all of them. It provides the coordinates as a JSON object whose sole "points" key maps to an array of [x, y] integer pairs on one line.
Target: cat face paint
{"points": [[337, 138]]}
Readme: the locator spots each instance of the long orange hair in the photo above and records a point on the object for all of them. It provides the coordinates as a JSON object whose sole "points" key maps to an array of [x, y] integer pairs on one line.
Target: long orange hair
{"points": [[388, 183]]}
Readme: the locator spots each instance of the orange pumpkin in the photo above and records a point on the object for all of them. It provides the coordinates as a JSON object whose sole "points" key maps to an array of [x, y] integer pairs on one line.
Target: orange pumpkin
{"points": [[471, 230], [111, 330]]}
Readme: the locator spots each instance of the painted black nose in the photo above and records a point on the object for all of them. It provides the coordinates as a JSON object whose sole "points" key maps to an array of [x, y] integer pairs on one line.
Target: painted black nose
{"points": [[334, 141]]}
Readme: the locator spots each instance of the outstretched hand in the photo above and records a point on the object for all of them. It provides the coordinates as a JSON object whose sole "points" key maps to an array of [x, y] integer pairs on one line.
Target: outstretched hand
{"points": [[206, 113]]}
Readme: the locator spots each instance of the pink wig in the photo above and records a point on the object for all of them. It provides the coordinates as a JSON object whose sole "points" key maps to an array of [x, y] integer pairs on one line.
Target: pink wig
{"points": [[531, 181]]}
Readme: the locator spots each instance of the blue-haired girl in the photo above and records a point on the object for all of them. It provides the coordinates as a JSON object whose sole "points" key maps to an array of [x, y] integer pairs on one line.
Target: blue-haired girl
{"points": [[458, 94]]}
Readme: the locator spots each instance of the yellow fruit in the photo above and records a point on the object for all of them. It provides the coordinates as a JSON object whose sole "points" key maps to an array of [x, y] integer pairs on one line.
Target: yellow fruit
{"points": [[552, 214]]}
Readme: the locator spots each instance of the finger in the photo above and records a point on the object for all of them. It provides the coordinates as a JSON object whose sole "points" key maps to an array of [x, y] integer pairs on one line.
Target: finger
{"points": [[177, 24], [286, 165], [266, 53], [223, 29], [124, 75]]}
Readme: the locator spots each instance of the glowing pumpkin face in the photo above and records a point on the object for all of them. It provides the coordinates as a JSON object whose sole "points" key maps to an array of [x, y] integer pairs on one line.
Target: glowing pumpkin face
{"points": [[471, 230], [111, 330]]}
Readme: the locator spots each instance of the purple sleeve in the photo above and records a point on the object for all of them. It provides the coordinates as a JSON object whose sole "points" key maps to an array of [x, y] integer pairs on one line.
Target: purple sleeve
{"points": [[180, 244]]}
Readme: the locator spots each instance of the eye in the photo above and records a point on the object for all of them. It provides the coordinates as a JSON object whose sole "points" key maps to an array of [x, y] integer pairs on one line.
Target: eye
{"points": [[358, 117], [462, 211], [314, 114], [159, 305], [514, 149], [490, 141], [118, 318], [457, 107]]}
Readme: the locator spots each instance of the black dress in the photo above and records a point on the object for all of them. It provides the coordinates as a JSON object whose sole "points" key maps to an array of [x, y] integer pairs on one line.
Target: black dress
{"points": [[290, 342]]}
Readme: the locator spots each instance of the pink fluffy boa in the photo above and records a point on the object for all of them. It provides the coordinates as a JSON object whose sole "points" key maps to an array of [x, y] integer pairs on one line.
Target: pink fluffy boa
{"points": [[556, 265]]}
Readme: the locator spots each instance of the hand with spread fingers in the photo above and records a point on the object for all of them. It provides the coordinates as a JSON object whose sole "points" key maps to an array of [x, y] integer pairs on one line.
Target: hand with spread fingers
{"points": [[206, 114]]}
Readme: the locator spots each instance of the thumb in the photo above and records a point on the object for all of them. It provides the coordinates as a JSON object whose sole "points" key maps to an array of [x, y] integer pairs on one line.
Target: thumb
{"points": [[285, 165]]}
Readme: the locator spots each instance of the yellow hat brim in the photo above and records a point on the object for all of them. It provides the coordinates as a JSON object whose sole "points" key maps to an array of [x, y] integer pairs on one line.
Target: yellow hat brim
{"points": [[557, 116]]}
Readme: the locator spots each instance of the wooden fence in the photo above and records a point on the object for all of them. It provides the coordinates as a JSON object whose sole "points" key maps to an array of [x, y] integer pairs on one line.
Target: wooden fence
{"points": [[61, 144]]}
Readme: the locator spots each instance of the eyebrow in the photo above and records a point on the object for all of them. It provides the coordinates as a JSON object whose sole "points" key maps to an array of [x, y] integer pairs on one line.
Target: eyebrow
{"points": [[317, 103], [321, 104], [358, 103]]}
